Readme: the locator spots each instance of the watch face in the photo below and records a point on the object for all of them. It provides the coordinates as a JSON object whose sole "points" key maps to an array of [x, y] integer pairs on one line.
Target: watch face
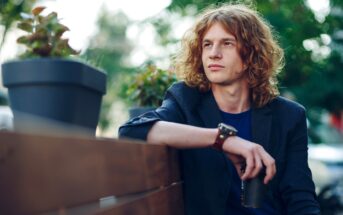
{"points": [[227, 129]]}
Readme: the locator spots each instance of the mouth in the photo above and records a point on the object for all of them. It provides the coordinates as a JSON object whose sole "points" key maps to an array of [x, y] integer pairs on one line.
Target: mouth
{"points": [[215, 67]]}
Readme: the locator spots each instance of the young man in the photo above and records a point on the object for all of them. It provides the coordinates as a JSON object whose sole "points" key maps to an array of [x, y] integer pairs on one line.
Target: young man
{"points": [[229, 61]]}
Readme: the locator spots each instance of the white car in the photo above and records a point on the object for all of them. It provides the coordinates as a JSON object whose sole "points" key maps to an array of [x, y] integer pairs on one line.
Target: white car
{"points": [[326, 163], [6, 118]]}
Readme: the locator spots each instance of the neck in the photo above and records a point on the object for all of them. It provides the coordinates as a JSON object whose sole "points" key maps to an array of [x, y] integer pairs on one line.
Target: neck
{"points": [[233, 98]]}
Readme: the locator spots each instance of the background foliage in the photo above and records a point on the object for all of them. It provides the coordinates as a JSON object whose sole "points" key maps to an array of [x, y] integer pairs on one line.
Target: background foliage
{"points": [[108, 49], [313, 50], [313, 47], [10, 12], [315, 80], [147, 87]]}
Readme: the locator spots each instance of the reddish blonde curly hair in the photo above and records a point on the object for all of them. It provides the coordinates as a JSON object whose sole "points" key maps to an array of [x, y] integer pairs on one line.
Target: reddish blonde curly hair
{"points": [[257, 47]]}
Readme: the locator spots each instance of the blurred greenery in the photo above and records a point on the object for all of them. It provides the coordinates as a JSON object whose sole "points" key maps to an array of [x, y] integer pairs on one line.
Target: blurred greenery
{"points": [[108, 49], [10, 12], [312, 74], [313, 47], [3, 99], [147, 87], [316, 81]]}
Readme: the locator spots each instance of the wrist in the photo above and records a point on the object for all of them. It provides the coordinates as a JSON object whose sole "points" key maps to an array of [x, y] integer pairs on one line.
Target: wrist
{"points": [[227, 143], [224, 132]]}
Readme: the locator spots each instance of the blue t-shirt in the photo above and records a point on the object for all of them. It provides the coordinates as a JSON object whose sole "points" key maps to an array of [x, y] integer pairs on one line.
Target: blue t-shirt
{"points": [[242, 122]]}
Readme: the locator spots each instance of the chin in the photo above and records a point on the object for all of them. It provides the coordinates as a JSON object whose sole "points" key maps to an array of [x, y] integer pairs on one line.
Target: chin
{"points": [[217, 80], [213, 77]]}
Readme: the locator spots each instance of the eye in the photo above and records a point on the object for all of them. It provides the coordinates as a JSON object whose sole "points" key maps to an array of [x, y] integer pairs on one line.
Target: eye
{"points": [[206, 44], [228, 43]]}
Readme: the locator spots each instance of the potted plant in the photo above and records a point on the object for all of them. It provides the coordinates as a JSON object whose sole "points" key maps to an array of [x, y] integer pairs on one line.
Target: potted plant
{"points": [[45, 84], [145, 90]]}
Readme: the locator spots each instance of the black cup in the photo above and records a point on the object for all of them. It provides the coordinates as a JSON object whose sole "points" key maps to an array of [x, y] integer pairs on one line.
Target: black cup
{"points": [[253, 191]]}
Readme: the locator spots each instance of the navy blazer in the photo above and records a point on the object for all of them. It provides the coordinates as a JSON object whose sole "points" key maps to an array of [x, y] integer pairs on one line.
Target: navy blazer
{"points": [[280, 127]]}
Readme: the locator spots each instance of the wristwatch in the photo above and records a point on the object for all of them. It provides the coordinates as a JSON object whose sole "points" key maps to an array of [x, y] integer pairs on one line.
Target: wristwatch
{"points": [[224, 131]]}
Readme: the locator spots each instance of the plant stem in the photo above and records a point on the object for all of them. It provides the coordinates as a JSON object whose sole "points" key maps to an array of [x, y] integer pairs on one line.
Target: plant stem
{"points": [[3, 38]]}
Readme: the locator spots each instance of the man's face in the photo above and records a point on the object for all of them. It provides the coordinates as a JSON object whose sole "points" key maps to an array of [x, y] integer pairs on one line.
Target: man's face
{"points": [[221, 60]]}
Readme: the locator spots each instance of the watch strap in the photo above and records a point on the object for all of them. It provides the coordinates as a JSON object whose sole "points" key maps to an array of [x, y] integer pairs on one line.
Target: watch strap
{"points": [[224, 131]]}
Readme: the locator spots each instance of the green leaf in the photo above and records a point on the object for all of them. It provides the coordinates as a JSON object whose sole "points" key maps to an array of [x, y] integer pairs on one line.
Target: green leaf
{"points": [[41, 48], [39, 36], [23, 40], [62, 48], [37, 10], [40, 19], [60, 29], [25, 26], [51, 18]]}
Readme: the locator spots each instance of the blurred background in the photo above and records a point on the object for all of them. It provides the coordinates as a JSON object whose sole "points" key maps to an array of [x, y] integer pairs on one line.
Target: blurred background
{"points": [[129, 37]]}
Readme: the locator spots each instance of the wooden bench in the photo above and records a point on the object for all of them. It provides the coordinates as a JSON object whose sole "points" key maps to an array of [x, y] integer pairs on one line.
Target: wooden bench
{"points": [[41, 174]]}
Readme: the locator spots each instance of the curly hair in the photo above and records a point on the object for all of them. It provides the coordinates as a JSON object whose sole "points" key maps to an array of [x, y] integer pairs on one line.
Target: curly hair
{"points": [[257, 47]]}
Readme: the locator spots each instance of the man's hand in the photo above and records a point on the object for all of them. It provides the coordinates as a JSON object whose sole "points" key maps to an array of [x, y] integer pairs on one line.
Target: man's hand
{"points": [[253, 156]]}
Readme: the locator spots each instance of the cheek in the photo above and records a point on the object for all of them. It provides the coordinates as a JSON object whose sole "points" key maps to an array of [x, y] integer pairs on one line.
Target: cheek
{"points": [[239, 63], [238, 66], [203, 60], [203, 56]]}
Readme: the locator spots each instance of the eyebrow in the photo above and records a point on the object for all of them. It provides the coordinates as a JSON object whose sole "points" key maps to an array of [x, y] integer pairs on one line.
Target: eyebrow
{"points": [[223, 39]]}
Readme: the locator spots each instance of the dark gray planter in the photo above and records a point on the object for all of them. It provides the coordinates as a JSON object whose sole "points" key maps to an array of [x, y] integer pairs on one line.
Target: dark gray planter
{"points": [[59, 90]]}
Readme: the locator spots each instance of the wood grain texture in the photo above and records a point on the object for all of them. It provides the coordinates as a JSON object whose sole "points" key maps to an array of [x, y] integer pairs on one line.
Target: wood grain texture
{"points": [[40, 173], [166, 201]]}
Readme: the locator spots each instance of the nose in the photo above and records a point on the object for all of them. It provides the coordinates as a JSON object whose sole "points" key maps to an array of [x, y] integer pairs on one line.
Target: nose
{"points": [[215, 53]]}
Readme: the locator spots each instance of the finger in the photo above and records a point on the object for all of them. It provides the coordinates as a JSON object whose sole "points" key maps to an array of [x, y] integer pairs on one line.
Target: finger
{"points": [[258, 164], [249, 160], [270, 172], [269, 163], [238, 163], [238, 167]]}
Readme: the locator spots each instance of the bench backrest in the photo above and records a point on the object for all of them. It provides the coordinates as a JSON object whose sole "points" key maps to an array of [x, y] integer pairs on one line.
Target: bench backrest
{"points": [[66, 175]]}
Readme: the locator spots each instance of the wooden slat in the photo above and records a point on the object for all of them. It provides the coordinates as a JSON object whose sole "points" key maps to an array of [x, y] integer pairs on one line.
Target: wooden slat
{"points": [[39, 173], [166, 201]]}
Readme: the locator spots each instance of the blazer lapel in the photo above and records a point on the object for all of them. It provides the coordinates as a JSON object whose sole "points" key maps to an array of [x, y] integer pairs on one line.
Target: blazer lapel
{"points": [[261, 119], [261, 126], [209, 111]]}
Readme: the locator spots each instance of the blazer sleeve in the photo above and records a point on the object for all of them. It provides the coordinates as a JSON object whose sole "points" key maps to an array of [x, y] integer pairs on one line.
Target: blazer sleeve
{"points": [[296, 186], [139, 127]]}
